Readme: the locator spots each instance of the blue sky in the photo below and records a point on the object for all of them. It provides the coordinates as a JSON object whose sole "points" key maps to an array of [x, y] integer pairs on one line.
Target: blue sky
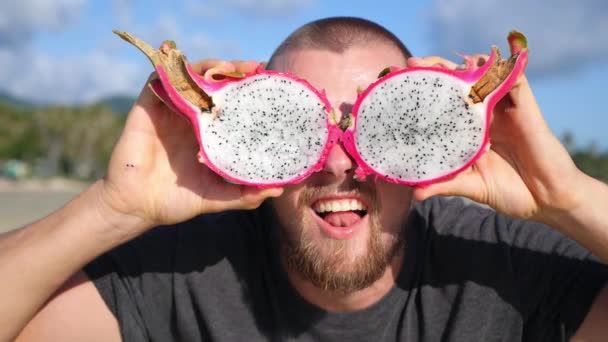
{"points": [[63, 51]]}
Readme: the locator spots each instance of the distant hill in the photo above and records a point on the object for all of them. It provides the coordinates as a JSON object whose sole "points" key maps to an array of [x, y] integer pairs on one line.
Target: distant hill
{"points": [[119, 104], [14, 101]]}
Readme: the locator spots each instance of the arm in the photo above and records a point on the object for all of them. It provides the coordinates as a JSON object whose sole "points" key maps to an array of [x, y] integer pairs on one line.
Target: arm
{"points": [[528, 174], [587, 221], [153, 179], [36, 260], [62, 318]]}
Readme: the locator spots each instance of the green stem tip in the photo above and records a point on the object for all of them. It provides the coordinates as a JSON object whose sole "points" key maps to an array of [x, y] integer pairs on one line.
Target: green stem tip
{"points": [[517, 42]]}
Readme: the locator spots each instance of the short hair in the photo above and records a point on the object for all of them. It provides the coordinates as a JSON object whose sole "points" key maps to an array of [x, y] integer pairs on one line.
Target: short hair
{"points": [[337, 34]]}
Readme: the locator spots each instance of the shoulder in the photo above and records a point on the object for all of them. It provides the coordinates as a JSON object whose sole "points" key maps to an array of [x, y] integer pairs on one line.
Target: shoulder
{"points": [[76, 312], [187, 266], [456, 237], [464, 219], [202, 239], [478, 240], [460, 237], [455, 216]]}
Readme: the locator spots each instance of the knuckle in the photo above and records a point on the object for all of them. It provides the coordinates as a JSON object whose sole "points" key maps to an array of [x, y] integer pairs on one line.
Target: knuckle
{"points": [[152, 76], [251, 204]]}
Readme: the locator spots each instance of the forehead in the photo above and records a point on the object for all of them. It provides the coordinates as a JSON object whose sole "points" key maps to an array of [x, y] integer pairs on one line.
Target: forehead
{"points": [[340, 73]]}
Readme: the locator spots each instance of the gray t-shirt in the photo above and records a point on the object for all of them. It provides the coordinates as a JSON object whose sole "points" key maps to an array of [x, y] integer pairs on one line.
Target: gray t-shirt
{"points": [[469, 274]]}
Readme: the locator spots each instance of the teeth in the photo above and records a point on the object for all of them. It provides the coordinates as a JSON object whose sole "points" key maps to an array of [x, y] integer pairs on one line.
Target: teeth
{"points": [[324, 207], [338, 205]]}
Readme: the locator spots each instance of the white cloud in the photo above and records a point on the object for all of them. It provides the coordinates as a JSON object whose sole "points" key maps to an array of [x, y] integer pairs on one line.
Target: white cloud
{"points": [[166, 27], [122, 12], [563, 35], [31, 74], [195, 46], [201, 45], [19, 19], [261, 8], [269, 6]]}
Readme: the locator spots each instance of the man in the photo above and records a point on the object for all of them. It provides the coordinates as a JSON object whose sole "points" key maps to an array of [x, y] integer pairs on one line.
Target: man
{"points": [[433, 270]]}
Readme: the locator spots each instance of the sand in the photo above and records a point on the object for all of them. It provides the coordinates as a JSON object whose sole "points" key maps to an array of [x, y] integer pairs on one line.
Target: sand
{"points": [[27, 201]]}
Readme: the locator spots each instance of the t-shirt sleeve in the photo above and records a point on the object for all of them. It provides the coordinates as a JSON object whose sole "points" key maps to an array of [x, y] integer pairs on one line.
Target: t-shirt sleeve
{"points": [[555, 279], [159, 284], [558, 279], [133, 279]]}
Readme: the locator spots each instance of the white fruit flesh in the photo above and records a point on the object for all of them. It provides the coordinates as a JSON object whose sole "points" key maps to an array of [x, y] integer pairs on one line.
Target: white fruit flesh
{"points": [[250, 135], [419, 125]]}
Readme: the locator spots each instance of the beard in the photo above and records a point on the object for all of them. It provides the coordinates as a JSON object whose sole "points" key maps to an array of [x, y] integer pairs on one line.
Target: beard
{"points": [[331, 264]]}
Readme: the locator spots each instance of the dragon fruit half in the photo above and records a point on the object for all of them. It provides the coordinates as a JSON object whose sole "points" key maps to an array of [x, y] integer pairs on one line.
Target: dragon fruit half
{"points": [[412, 126], [420, 125], [264, 129]]}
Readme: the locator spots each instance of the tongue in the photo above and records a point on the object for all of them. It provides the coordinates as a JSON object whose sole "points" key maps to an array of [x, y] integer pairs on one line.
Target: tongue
{"points": [[342, 218]]}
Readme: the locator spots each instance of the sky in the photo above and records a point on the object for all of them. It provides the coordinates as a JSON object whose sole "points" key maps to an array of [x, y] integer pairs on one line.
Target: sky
{"points": [[64, 51]]}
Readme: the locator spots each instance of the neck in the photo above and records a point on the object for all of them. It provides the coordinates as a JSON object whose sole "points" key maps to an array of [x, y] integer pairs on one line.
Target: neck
{"points": [[352, 301]]}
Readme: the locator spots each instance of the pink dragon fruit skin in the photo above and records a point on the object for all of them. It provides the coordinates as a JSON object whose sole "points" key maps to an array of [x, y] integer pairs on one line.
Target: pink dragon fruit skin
{"points": [[427, 145], [171, 97], [236, 132], [444, 133]]}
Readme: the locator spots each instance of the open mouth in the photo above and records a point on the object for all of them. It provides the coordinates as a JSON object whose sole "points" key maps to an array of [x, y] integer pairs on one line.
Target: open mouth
{"points": [[341, 212], [359, 213]]}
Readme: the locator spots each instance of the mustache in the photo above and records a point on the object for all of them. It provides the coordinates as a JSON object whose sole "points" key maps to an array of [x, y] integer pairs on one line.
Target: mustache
{"points": [[309, 194]]}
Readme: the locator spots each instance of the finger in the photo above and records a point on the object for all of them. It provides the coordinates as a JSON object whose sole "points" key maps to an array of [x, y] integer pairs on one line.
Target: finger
{"points": [[203, 65], [246, 67], [147, 102], [149, 113], [521, 92], [479, 59], [431, 61], [473, 62], [466, 184], [252, 197], [521, 107], [146, 97]]}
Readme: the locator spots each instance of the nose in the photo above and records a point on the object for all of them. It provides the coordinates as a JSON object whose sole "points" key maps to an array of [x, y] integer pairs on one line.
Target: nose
{"points": [[339, 162]]}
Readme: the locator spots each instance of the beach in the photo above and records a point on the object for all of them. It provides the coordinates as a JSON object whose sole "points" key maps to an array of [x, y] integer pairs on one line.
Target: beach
{"points": [[22, 202]]}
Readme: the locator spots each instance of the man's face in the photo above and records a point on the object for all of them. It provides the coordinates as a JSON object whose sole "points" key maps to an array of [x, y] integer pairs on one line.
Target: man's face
{"points": [[337, 232]]}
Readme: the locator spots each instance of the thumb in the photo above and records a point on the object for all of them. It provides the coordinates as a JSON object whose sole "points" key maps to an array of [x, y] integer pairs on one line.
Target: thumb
{"points": [[252, 197], [466, 184]]}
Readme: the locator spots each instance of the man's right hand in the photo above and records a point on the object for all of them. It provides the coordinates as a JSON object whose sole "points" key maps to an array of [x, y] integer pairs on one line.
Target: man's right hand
{"points": [[154, 176]]}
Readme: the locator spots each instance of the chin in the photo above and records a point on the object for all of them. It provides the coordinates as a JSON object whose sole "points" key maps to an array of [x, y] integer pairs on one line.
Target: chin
{"points": [[343, 264]]}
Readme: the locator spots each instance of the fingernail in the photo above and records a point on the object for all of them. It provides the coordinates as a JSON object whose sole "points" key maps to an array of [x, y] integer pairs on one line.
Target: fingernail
{"points": [[273, 192], [413, 60]]}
